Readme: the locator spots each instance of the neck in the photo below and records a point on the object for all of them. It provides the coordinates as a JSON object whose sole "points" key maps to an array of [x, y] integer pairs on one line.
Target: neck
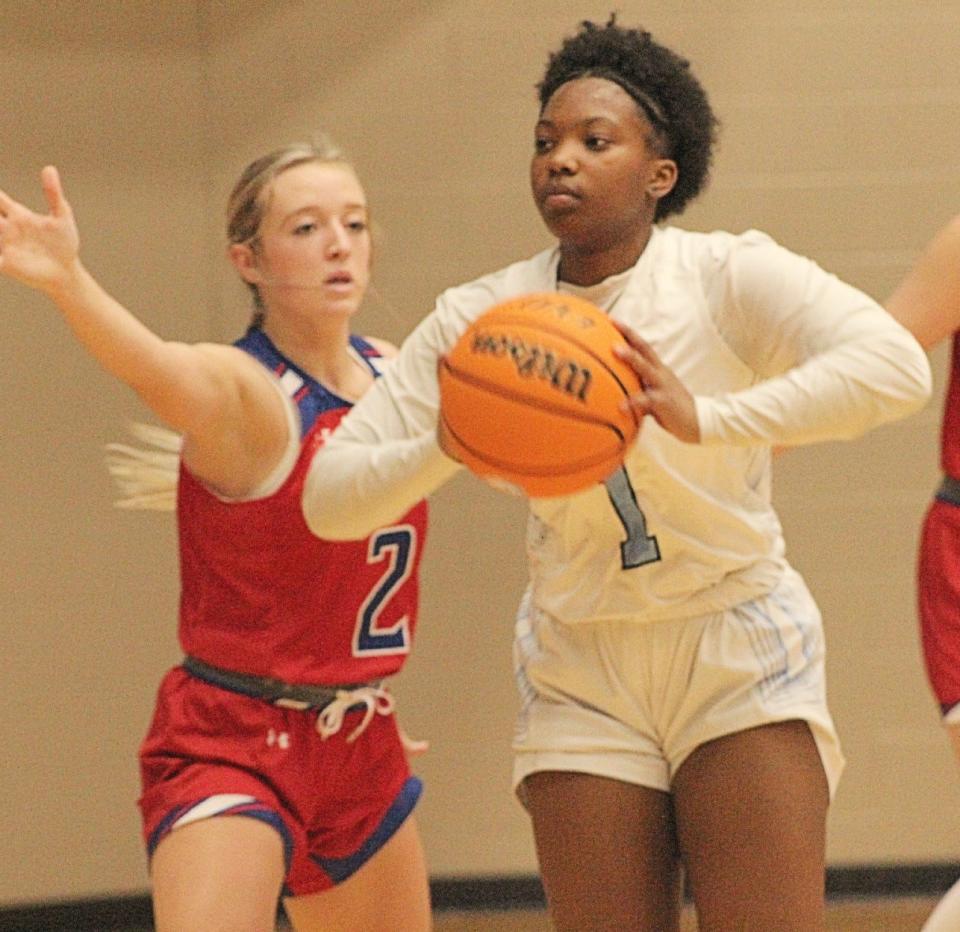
{"points": [[588, 266], [319, 348]]}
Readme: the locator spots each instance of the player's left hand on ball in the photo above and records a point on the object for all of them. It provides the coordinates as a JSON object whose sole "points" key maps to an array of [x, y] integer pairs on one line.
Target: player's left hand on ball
{"points": [[663, 396], [442, 440]]}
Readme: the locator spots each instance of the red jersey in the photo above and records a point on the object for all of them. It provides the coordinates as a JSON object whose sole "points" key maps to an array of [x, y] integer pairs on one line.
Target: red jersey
{"points": [[938, 568], [262, 595], [950, 426]]}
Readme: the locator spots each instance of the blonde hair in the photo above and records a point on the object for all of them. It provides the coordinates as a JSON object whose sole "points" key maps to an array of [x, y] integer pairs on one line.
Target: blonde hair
{"points": [[247, 203]]}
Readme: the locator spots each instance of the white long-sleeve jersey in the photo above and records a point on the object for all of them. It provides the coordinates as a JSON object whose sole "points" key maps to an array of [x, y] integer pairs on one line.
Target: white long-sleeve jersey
{"points": [[776, 352]]}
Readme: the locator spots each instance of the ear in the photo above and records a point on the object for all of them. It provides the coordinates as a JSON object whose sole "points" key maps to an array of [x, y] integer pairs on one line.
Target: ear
{"points": [[244, 260], [663, 176]]}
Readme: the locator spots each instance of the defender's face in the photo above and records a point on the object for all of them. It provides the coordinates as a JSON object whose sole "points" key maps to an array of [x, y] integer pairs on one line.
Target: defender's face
{"points": [[314, 239]]}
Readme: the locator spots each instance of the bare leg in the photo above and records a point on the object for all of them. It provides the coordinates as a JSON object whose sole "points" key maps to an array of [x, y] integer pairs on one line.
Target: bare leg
{"points": [[390, 892], [946, 916], [222, 874], [751, 812], [607, 853]]}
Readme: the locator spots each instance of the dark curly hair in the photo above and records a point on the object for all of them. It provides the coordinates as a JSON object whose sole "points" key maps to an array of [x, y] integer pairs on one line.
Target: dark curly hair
{"points": [[664, 88]]}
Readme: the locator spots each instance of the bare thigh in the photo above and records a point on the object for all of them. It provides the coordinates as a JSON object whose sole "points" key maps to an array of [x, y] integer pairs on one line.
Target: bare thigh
{"points": [[390, 892], [751, 812], [953, 732], [607, 853], [221, 874]]}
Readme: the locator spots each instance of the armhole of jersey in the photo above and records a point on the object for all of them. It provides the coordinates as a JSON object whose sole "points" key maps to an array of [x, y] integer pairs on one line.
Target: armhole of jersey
{"points": [[281, 472], [374, 363]]}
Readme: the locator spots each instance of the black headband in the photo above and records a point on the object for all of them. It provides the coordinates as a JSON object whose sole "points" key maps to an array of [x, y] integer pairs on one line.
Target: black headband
{"points": [[651, 108]]}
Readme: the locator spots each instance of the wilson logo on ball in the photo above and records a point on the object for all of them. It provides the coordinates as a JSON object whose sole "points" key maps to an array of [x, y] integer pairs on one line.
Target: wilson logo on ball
{"points": [[534, 361]]}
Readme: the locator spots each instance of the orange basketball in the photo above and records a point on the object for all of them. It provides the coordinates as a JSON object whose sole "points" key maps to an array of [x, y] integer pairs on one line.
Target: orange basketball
{"points": [[531, 394]]}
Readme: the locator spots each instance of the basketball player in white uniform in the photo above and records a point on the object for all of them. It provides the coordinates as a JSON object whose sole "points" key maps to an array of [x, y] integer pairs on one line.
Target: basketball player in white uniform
{"points": [[669, 659]]}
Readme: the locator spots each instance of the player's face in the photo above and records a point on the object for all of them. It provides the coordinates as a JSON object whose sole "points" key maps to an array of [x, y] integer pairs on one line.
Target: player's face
{"points": [[593, 170], [314, 240]]}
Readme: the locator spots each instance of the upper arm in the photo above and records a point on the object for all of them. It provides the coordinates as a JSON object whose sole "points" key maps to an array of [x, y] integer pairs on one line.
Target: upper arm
{"points": [[234, 423], [927, 301], [786, 309]]}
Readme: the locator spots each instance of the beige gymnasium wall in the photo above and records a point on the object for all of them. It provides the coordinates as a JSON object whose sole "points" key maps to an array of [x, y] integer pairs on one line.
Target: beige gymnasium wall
{"points": [[840, 139]]}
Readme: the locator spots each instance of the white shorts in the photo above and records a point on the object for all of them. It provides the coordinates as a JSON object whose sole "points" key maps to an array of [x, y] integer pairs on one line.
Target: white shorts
{"points": [[632, 701]]}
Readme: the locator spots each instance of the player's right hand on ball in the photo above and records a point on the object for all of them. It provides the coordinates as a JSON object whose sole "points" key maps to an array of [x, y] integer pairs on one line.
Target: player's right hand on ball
{"points": [[663, 396]]}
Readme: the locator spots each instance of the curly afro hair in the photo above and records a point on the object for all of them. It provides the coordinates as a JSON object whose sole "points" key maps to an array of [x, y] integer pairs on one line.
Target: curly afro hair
{"points": [[661, 82]]}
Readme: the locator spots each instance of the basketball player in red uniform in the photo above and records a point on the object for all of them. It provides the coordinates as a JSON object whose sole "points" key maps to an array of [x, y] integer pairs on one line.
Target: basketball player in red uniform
{"points": [[928, 303], [274, 765]]}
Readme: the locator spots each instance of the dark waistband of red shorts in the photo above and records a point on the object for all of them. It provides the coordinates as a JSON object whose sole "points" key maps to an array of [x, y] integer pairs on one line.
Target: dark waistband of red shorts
{"points": [[270, 690], [949, 491]]}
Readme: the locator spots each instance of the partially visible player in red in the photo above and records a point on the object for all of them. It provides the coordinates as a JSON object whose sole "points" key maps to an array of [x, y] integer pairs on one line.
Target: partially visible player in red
{"points": [[274, 766], [928, 303]]}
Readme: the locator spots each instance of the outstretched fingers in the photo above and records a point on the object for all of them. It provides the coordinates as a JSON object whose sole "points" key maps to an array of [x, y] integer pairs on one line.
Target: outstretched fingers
{"points": [[638, 402], [639, 355], [53, 191], [38, 248]]}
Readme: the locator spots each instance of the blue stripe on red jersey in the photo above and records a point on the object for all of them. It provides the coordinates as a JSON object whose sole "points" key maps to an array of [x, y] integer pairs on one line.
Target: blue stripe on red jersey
{"points": [[307, 393]]}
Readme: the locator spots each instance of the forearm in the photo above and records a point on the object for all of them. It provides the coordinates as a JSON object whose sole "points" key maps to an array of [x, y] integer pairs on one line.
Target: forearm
{"points": [[838, 395], [927, 301], [384, 456], [163, 373], [354, 488], [216, 396]]}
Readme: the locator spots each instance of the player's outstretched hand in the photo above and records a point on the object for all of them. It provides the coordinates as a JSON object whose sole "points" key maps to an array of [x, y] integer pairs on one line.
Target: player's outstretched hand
{"points": [[39, 249], [663, 396]]}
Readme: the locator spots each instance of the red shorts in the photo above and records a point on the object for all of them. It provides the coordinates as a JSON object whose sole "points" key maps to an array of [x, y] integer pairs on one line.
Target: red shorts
{"points": [[938, 589], [210, 752]]}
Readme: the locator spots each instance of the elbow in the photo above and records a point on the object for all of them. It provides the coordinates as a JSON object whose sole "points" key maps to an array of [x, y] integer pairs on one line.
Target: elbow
{"points": [[900, 384], [923, 379], [910, 377], [927, 392], [911, 386]]}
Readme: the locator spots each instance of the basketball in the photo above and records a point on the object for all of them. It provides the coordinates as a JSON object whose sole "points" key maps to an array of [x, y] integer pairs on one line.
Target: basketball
{"points": [[530, 395]]}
